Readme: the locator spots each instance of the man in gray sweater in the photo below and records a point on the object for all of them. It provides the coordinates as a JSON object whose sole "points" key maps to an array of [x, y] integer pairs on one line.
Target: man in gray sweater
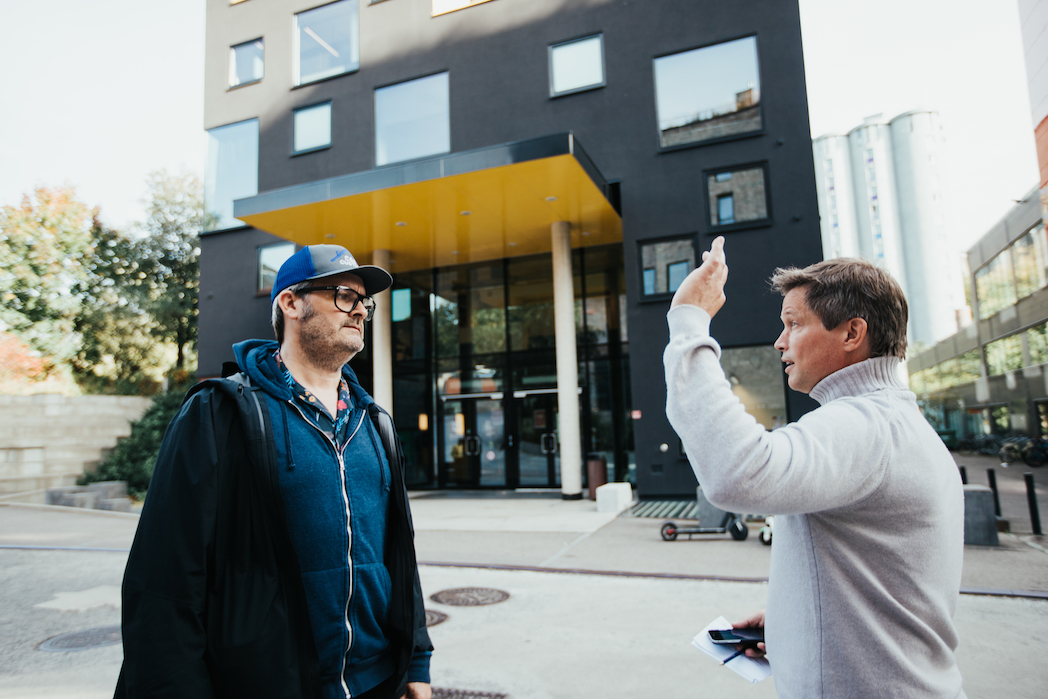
{"points": [[866, 566]]}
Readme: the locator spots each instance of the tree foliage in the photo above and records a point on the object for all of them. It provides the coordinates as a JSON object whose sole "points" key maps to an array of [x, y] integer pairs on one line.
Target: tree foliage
{"points": [[168, 274], [45, 243], [116, 308]]}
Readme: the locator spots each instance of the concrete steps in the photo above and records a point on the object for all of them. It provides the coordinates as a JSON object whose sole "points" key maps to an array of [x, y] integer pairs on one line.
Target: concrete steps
{"points": [[48, 440]]}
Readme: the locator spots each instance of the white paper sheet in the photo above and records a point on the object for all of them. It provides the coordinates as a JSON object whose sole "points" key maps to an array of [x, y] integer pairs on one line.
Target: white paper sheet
{"points": [[752, 669]]}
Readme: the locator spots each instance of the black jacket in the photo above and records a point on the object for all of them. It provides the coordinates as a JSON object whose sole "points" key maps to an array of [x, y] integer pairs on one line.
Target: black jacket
{"points": [[213, 603]]}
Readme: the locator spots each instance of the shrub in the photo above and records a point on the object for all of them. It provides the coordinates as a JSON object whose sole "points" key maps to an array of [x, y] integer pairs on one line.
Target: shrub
{"points": [[133, 458]]}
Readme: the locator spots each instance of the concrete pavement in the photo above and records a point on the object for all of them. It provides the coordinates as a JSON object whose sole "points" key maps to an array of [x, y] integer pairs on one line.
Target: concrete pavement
{"points": [[619, 630]]}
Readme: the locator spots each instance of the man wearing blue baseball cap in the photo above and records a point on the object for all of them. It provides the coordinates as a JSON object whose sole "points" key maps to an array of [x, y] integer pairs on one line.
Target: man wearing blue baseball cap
{"points": [[275, 552]]}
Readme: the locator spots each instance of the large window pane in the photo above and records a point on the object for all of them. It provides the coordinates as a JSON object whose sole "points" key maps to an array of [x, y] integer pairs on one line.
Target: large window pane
{"points": [[469, 311], [1004, 355], [313, 127], [576, 65], [231, 172], [737, 196], [995, 285], [756, 375], [270, 257], [1037, 340], [326, 41], [665, 264], [246, 63], [708, 93], [1029, 258], [412, 120]]}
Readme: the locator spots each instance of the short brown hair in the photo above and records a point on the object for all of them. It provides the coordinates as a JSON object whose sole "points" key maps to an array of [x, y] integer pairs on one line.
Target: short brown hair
{"points": [[844, 288]]}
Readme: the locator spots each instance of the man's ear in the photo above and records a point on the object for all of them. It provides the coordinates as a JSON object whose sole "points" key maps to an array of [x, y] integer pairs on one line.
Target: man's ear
{"points": [[291, 304], [856, 334]]}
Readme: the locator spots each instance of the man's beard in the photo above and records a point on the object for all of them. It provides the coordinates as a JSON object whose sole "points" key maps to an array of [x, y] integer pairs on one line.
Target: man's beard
{"points": [[327, 349]]}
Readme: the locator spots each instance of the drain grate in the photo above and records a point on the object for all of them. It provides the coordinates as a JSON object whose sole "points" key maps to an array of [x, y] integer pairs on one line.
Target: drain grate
{"points": [[445, 693], [470, 596], [83, 640], [433, 617]]}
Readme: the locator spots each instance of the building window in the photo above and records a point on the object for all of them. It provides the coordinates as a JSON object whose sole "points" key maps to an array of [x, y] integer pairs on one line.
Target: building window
{"points": [[756, 378], [708, 94], [576, 65], [270, 257], [231, 171], [725, 209], [312, 128], [246, 63], [675, 272], [326, 42], [1029, 259], [1004, 355], [442, 7], [412, 120], [665, 264], [649, 281], [995, 285], [738, 197]]}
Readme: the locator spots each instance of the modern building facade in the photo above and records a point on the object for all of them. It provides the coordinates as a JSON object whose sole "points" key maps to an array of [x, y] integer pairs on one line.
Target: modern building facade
{"points": [[539, 176], [992, 377], [881, 199]]}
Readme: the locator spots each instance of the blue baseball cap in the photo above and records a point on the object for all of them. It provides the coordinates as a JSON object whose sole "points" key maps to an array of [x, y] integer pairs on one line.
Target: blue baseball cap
{"points": [[319, 261]]}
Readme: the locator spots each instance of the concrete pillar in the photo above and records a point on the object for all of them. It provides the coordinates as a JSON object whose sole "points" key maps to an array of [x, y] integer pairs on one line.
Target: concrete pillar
{"points": [[567, 364], [382, 339]]}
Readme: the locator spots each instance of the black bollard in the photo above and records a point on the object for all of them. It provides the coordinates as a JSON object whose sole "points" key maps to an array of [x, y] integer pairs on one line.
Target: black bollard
{"points": [[964, 475], [991, 476], [1031, 497]]}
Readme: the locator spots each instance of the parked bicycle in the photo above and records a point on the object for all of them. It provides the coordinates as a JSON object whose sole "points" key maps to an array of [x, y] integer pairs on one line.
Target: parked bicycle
{"points": [[988, 444]]}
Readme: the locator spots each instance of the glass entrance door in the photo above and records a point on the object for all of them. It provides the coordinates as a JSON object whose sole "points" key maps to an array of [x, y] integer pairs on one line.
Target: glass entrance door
{"points": [[473, 451], [537, 444]]}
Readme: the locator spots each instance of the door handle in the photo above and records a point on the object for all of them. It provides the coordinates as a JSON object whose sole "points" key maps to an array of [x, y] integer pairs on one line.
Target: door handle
{"points": [[553, 443]]}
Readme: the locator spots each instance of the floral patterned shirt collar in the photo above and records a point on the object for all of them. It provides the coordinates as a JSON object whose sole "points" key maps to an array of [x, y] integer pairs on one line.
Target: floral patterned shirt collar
{"points": [[337, 427]]}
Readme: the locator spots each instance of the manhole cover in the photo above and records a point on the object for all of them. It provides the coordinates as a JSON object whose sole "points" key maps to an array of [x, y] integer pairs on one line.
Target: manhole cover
{"points": [[470, 597], [434, 617], [445, 693], [82, 640]]}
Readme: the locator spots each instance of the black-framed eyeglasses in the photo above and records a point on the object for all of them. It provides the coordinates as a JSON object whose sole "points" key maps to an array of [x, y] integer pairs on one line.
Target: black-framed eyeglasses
{"points": [[347, 298]]}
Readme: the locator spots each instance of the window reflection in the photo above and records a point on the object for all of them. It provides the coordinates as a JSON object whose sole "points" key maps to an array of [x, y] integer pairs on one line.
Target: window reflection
{"points": [[708, 93], [270, 257], [246, 63], [469, 311], [737, 196], [412, 120], [576, 65], [326, 41], [755, 374], [665, 264], [312, 127], [1004, 355], [231, 171]]}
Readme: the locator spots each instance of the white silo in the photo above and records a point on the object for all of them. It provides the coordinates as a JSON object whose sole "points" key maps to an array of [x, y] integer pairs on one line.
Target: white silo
{"points": [[876, 210], [932, 285], [833, 187]]}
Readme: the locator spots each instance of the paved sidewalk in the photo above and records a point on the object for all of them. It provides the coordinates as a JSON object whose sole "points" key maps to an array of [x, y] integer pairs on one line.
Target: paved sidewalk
{"points": [[558, 635]]}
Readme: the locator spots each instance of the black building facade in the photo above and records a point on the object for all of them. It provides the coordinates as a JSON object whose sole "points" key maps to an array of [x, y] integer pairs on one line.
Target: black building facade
{"points": [[460, 143]]}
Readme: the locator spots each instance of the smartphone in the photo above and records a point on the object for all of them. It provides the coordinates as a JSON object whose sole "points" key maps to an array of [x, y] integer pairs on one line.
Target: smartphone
{"points": [[733, 637]]}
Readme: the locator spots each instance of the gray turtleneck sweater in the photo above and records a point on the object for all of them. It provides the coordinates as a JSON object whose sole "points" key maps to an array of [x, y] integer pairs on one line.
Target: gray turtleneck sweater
{"points": [[866, 563]]}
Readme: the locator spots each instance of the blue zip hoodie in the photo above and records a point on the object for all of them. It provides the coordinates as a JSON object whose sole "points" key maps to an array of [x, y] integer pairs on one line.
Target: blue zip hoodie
{"points": [[336, 510]]}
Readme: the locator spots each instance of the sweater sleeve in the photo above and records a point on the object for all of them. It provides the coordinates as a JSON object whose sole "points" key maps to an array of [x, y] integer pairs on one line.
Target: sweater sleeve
{"points": [[832, 457]]}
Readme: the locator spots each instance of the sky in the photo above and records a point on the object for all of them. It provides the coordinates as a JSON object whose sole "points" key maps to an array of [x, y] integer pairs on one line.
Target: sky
{"points": [[99, 94]]}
